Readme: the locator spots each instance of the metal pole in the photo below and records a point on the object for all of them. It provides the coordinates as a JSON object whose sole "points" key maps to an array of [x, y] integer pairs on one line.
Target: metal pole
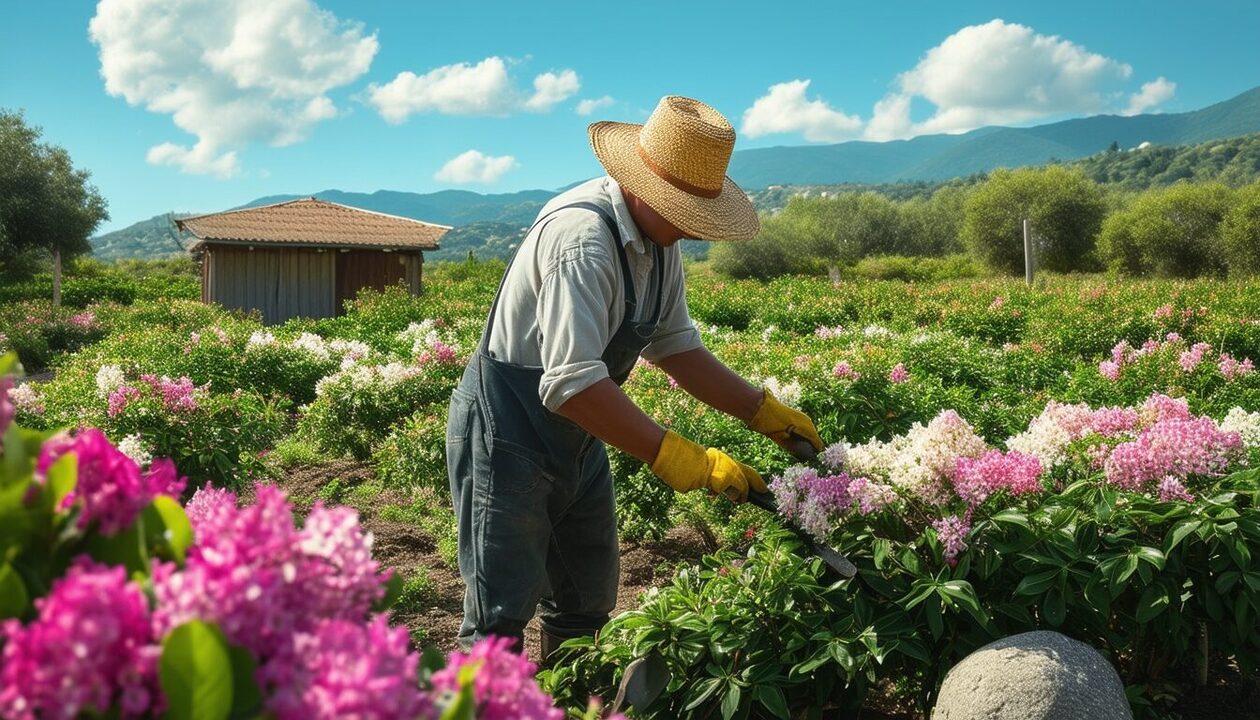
{"points": [[1028, 253]]}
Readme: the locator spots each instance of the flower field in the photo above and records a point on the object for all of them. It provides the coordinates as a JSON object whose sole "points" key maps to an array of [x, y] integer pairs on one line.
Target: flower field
{"points": [[1078, 456]]}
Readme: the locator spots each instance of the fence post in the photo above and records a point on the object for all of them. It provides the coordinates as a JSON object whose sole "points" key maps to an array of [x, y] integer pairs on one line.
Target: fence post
{"points": [[56, 277], [1029, 260]]}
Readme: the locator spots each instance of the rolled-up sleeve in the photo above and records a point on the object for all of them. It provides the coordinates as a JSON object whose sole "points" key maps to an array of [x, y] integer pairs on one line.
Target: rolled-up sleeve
{"points": [[676, 332], [577, 290]]}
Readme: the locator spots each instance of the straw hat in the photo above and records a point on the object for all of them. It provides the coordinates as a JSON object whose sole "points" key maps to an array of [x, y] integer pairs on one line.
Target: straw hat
{"points": [[676, 163]]}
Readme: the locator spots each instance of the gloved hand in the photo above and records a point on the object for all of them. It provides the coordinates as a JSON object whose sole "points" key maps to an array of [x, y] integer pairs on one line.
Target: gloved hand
{"points": [[780, 423], [684, 466]]}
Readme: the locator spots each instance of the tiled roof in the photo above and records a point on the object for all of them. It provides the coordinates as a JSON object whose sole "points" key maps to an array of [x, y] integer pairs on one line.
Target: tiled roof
{"points": [[313, 222]]}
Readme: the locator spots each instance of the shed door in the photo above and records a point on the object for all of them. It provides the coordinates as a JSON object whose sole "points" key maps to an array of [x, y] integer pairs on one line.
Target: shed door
{"points": [[366, 268]]}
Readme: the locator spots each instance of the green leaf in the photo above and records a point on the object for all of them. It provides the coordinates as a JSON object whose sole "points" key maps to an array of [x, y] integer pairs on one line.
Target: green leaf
{"points": [[1038, 583], [1151, 556], [463, 708], [393, 591], [730, 702], [1054, 605], [1011, 516], [772, 699], [1179, 533], [172, 523], [63, 475], [195, 671], [13, 596], [247, 699], [1153, 602]]}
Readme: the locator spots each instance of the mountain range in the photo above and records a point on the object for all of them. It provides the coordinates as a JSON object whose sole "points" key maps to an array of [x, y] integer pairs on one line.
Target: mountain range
{"points": [[495, 220]]}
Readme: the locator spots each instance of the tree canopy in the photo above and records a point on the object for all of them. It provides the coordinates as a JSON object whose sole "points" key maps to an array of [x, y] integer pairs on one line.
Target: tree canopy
{"points": [[46, 203]]}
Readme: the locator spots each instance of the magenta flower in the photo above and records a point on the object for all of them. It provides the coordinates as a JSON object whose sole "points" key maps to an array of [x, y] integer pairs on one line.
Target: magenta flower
{"points": [[1191, 358], [1176, 448], [1109, 369], [504, 686], [844, 371], [1170, 489], [110, 489], [997, 303], [177, 395], [119, 398], [1164, 311], [90, 648], [343, 669], [7, 408], [899, 374]]}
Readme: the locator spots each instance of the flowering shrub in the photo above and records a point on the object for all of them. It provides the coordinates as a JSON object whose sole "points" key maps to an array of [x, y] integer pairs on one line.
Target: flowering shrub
{"points": [[117, 601], [1131, 528], [39, 331]]}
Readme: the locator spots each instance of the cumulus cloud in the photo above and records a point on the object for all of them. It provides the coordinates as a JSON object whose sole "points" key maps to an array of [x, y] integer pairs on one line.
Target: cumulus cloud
{"points": [[1002, 73], [475, 167], [229, 72], [464, 89], [1152, 94], [589, 105], [785, 109]]}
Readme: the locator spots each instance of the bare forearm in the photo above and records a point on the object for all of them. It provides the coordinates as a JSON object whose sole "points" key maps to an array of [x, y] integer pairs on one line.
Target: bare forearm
{"points": [[604, 411], [709, 380]]}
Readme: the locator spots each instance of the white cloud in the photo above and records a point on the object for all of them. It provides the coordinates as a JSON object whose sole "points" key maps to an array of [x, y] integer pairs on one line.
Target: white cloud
{"points": [[999, 73], [588, 106], [785, 109], [229, 72], [1152, 94], [464, 89], [475, 167]]}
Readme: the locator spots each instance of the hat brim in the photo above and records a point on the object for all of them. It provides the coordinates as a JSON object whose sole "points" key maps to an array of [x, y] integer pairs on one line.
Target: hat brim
{"points": [[729, 216]]}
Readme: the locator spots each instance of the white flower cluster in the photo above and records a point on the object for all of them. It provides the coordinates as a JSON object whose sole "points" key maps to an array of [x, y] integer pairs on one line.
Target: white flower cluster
{"points": [[1246, 424], [260, 338], [872, 331], [135, 448], [787, 393], [108, 379], [919, 461], [347, 352], [27, 399], [365, 377]]}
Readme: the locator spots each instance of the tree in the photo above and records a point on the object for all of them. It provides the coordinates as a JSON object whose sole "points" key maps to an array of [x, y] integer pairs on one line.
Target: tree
{"points": [[1066, 209], [46, 203], [1240, 232], [1170, 232]]}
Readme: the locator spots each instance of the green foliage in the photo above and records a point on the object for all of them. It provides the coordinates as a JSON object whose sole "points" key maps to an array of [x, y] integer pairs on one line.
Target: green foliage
{"points": [[1065, 208], [1173, 232], [916, 269], [1234, 162], [414, 452], [45, 202], [1240, 231]]}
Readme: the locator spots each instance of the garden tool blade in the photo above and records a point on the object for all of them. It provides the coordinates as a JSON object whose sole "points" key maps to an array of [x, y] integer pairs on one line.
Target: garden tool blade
{"points": [[642, 683], [801, 448], [836, 561]]}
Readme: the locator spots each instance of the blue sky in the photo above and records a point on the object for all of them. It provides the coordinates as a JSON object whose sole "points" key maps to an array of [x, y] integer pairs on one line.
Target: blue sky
{"points": [[205, 104]]}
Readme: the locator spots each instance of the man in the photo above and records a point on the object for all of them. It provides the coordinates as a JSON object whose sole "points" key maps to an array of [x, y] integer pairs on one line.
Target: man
{"points": [[597, 282]]}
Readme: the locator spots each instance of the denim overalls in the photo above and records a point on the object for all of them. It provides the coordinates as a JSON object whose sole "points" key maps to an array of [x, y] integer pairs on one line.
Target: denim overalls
{"points": [[532, 490]]}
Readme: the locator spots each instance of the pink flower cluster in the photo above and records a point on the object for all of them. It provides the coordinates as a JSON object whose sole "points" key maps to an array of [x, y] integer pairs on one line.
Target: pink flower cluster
{"points": [[1172, 448], [1188, 359], [1231, 367], [975, 479], [899, 374], [259, 578], [110, 489], [177, 395], [952, 531], [440, 353], [119, 398], [84, 320], [827, 333], [7, 408], [345, 669], [90, 648], [504, 686], [844, 371]]}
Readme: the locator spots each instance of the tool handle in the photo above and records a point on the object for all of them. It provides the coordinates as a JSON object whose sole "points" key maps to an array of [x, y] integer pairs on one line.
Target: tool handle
{"points": [[763, 500], [801, 448]]}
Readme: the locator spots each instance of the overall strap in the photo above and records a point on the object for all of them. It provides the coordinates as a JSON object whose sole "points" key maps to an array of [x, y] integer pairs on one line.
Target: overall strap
{"points": [[605, 215]]}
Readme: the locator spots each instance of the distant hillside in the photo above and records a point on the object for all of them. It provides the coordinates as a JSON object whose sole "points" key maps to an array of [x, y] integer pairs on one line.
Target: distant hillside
{"points": [[490, 224], [152, 238], [941, 157]]}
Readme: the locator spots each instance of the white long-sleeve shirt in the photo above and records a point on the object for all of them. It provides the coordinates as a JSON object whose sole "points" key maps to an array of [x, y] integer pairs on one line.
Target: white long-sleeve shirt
{"points": [[564, 296]]}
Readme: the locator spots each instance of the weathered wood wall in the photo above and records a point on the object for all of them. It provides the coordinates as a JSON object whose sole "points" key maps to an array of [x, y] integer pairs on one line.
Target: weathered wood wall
{"points": [[279, 283]]}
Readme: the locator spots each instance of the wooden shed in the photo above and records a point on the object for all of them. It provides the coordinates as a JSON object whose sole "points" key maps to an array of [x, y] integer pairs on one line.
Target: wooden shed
{"points": [[305, 258]]}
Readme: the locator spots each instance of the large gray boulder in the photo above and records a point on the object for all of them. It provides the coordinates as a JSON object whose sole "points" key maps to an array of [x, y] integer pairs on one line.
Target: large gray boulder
{"points": [[1033, 676]]}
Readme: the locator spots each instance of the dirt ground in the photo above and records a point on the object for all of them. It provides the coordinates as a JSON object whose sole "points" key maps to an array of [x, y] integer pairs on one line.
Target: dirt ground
{"points": [[1230, 693]]}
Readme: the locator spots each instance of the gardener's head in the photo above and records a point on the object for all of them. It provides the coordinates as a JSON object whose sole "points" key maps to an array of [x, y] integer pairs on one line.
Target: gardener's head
{"points": [[673, 169]]}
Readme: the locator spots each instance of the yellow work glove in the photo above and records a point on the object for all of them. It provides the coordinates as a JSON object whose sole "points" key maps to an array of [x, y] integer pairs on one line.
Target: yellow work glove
{"points": [[780, 423], [684, 466]]}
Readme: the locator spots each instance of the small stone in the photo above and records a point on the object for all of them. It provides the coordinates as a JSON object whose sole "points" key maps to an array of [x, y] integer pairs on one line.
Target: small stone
{"points": [[1038, 675]]}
